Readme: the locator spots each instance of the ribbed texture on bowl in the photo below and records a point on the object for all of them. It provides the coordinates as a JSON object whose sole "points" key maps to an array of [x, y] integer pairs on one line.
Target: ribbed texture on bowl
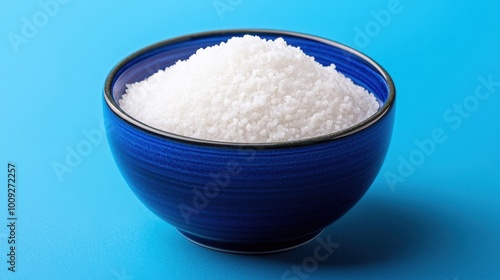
{"points": [[270, 196]]}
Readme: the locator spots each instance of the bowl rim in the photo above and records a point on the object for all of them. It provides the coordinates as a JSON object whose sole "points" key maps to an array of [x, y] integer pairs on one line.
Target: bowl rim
{"points": [[115, 107]]}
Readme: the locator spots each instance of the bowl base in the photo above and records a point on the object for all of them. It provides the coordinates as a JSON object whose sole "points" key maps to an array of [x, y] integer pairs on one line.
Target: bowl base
{"points": [[250, 248]]}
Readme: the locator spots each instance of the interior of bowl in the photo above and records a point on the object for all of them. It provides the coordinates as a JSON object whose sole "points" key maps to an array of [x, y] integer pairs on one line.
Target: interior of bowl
{"points": [[354, 65]]}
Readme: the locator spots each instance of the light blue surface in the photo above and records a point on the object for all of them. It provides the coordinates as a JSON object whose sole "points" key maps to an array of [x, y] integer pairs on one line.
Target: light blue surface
{"points": [[439, 221]]}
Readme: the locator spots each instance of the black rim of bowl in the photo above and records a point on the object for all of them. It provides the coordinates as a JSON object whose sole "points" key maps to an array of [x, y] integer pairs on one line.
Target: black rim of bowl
{"points": [[111, 102]]}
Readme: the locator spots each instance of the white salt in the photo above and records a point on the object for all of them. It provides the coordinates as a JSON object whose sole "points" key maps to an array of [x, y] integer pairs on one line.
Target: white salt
{"points": [[249, 90]]}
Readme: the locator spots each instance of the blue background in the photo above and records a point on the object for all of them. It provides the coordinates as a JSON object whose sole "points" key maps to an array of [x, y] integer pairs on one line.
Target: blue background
{"points": [[441, 220]]}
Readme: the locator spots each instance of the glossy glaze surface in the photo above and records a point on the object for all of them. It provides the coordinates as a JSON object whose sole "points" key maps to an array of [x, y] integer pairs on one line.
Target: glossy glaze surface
{"points": [[240, 197]]}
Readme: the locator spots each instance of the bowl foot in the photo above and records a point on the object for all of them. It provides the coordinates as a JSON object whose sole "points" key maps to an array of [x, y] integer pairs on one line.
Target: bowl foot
{"points": [[250, 248]]}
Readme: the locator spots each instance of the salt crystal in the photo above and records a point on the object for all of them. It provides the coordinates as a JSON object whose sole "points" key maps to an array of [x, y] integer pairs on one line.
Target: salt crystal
{"points": [[249, 90]]}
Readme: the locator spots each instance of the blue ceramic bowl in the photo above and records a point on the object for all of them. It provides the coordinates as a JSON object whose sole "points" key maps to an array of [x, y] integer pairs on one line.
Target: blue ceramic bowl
{"points": [[240, 197]]}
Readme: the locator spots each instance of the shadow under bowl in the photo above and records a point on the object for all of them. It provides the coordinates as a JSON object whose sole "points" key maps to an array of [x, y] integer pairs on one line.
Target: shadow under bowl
{"points": [[241, 197]]}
